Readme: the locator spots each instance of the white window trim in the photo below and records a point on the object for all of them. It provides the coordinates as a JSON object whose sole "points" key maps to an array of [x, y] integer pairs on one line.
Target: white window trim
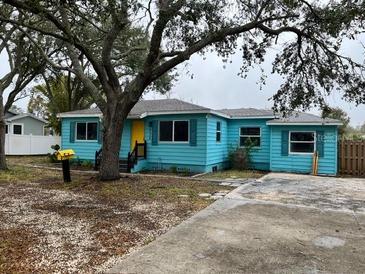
{"points": [[17, 124], [86, 140], [220, 131], [304, 142], [44, 127], [173, 132], [239, 133]]}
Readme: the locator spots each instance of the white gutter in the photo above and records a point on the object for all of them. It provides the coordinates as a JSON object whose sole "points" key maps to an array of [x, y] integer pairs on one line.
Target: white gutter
{"points": [[65, 115], [252, 117], [145, 114], [303, 124]]}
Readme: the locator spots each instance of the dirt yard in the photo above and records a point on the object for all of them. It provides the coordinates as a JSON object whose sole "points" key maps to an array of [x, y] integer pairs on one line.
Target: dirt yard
{"points": [[86, 226]]}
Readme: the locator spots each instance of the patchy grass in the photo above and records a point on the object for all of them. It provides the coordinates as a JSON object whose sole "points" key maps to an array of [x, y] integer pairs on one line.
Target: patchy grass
{"points": [[47, 225], [234, 174], [44, 161], [20, 174], [28, 160], [168, 173]]}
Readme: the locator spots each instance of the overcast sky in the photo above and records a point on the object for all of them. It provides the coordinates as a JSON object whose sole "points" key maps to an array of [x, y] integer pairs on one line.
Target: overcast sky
{"points": [[215, 87]]}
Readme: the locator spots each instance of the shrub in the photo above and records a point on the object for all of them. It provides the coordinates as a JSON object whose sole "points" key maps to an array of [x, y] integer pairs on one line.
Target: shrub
{"points": [[239, 158], [76, 161], [87, 163]]}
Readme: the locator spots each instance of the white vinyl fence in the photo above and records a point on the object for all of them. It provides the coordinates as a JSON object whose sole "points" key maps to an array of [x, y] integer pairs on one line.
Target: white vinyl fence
{"points": [[30, 144]]}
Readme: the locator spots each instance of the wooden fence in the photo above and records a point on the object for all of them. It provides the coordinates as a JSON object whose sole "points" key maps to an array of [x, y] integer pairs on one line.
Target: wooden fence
{"points": [[351, 157]]}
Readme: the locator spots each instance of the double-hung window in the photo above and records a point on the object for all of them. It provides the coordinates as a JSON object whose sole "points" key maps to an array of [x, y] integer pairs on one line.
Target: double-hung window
{"points": [[250, 135], [302, 142], [218, 132], [174, 131], [87, 131], [18, 129]]}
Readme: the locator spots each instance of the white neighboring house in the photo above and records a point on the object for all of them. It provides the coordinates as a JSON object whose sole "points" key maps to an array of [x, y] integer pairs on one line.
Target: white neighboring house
{"points": [[27, 134]]}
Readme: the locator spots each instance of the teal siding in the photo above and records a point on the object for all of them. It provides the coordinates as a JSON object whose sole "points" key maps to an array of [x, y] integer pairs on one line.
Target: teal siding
{"points": [[206, 153], [177, 154], [217, 152], [85, 150], [260, 157], [302, 163]]}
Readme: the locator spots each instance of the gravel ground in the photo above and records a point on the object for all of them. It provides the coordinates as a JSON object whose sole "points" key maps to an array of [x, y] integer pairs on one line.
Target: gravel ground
{"points": [[47, 226]]}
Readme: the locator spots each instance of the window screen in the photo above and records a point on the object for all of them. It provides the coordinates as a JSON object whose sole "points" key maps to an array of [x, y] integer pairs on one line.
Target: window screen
{"points": [[250, 136]]}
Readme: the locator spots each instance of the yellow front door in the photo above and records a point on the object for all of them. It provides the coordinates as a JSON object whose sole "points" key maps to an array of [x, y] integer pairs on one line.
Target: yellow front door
{"points": [[137, 132]]}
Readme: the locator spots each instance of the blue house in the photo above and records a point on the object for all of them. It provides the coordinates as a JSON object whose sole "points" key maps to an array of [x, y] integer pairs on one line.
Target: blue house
{"points": [[170, 133]]}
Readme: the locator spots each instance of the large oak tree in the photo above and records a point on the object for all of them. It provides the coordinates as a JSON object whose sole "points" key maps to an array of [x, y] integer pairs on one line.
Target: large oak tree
{"points": [[133, 44]]}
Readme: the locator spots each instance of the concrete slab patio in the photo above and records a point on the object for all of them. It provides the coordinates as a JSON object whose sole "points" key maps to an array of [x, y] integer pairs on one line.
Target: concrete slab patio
{"points": [[279, 224]]}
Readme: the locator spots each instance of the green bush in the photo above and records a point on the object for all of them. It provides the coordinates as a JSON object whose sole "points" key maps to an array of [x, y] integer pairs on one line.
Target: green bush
{"points": [[240, 157], [87, 163]]}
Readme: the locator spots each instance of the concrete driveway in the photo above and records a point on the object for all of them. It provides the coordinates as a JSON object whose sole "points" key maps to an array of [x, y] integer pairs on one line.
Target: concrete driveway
{"points": [[282, 223]]}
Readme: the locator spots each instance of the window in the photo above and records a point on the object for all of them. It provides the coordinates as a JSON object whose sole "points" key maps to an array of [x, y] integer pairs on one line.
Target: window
{"points": [[166, 128], [218, 132], [174, 131], [250, 134], [47, 131], [17, 129], [87, 131], [302, 142], [6, 129]]}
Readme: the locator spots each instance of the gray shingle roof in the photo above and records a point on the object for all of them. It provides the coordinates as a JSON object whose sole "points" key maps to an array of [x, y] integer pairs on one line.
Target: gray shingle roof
{"points": [[301, 117], [247, 112], [164, 105], [174, 105], [150, 106], [23, 115], [89, 111]]}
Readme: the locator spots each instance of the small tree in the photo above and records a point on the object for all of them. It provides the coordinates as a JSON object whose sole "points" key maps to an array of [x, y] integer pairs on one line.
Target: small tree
{"points": [[240, 158], [339, 114], [60, 93], [362, 128]]}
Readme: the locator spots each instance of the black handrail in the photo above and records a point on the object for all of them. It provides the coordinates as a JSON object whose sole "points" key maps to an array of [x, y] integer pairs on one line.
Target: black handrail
{"points": [[139, 151], [98, 154]]}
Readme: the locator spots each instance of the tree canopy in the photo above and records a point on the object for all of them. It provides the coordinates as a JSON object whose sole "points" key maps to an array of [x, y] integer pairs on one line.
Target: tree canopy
{"points": [[133, 46], [25, 64], [339, 114], [60, 93]]}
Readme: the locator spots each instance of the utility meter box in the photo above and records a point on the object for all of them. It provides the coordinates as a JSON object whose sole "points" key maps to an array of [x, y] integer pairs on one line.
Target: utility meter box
{"points": [[65, 154]]}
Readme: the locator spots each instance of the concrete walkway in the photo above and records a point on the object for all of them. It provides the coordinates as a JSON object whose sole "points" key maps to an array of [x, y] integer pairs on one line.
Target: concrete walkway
{"points": [[266, 227]]}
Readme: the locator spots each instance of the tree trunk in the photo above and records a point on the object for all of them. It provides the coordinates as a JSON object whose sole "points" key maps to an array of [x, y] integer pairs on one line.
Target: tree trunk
{"points": [[3, 165], [112, 137]]}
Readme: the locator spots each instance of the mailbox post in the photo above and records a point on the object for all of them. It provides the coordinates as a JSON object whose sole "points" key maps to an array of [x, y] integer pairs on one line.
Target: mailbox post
{"points": [[64, 156]]}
